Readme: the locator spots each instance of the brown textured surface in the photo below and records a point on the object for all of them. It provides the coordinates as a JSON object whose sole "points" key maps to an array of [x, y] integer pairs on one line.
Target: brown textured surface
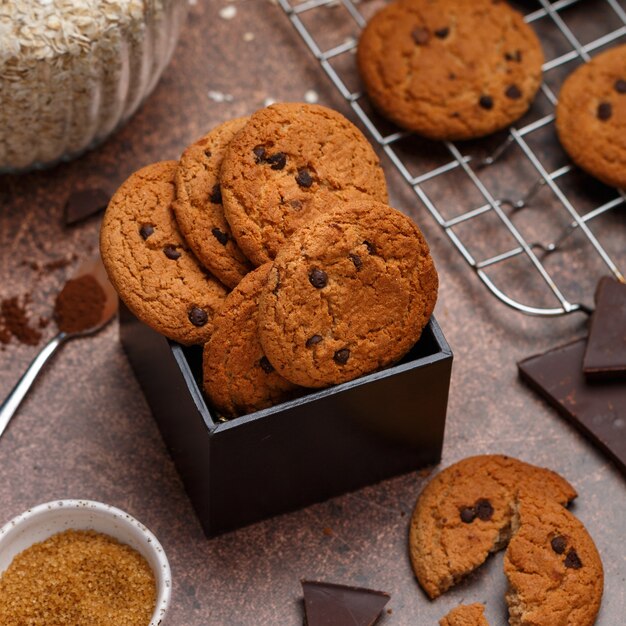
{"points": [[596, 139], [85, 430], [348, 294], [465, 615], [553, 568], [443, 546], [323, 158], [453, 69], [149, 263], [237, 378], [198, 205]]}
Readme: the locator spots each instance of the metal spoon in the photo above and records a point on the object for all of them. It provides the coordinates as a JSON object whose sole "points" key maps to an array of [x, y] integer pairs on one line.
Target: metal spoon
{"points": [[14, 399]]}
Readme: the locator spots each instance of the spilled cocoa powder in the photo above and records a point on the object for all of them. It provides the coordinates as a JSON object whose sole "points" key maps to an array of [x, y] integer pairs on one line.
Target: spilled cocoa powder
{"points": [[79, 305], [14, 322]]}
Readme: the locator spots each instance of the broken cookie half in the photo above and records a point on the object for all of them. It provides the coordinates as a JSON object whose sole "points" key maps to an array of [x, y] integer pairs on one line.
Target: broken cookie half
{"points": [[553, 568]]}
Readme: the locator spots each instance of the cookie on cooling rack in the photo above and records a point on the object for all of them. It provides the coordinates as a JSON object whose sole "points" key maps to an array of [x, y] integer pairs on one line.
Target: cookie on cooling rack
{"points": [[149, 263], [198, 206], [591, 116], [465, 615], [553, 567], [466, 512], [289, 164], [452, 69]]}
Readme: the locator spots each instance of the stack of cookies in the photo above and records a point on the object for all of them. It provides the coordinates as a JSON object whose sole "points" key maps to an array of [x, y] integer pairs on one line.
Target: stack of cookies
{"points": [[486, 503], [270, 242]]}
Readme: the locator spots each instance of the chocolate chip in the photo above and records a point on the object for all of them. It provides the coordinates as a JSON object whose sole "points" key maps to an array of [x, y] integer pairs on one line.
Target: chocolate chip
{"points": [[452, 76], [420, 35], [513, 56], [572, 560], [442, 33], [259, 153], [318, 278], [370, 247], [356, 259], [620, 86], [605, 110], [146, 230], [295, 204], [216, 194], [171, 252], [313, 341], [341, 356], [486, 102], [265, 365], [468, 515], [484, 510], [221, 236], [558, 544], [277, 161], [304, 179], [198, 316], [207, 152], [513, 92]]}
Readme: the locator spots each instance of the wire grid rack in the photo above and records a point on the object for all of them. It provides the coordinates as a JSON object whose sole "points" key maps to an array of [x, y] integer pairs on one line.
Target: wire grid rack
{"points": [[533, 253]]}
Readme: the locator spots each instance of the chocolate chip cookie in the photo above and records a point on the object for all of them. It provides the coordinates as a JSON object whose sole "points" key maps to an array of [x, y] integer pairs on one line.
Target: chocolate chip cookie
{"points": [[348, 294], [198, 206], [465, 615], [150, 265], [466, 512], [591, 116], [238, 378], [451, 69], [553, 567], [288, 164]]}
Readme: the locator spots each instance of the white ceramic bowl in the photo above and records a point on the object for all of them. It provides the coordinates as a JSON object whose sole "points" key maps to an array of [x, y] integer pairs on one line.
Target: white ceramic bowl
{"points": [[45, 520]]}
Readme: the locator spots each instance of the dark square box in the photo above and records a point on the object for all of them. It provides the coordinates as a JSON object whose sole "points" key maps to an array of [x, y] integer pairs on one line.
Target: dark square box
{"points": [[303, 451]]}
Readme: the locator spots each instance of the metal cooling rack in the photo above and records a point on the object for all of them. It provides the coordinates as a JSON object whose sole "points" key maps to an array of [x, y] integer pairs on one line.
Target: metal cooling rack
{"points": [[533, 253]]}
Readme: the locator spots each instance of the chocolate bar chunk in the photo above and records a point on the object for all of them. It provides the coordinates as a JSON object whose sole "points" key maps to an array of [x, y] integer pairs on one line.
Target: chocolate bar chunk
{"points": [[327, 604], [84, 203], [597, 408], [605, 356]]}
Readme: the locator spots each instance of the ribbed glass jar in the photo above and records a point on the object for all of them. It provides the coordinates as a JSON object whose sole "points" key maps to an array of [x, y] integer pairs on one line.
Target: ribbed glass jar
{"points": [[72, 71]]}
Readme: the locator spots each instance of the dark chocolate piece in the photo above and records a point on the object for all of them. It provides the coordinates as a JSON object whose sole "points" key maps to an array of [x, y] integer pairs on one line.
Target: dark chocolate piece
{"points": [[605, 111], [572, 560], [304, 178], [84, 203], [468, 514], [558, 544], [341, 356], [597, 408], [486, 102], [318, 278], [327, 604], [313, 340], [221, 236], [197, 316], [605, 356], [484, 509]]}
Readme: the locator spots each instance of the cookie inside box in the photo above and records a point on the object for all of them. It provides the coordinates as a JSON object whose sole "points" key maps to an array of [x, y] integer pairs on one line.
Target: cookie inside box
{"points": [[309, 449]]}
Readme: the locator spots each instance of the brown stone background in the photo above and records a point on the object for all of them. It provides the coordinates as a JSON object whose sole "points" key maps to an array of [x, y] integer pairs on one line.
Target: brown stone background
{"points": [[85, 430]]}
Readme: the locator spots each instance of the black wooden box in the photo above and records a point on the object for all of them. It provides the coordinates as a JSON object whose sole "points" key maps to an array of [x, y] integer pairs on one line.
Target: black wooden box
{"points": [[323, 444]]}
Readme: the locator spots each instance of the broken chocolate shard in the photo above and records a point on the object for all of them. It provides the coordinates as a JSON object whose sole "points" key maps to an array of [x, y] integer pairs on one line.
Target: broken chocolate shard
{"points": [[597, 408], [605, 356], [328, 604], [84, 203]]}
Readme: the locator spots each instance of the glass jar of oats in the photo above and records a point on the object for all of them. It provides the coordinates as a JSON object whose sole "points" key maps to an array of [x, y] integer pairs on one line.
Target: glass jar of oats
{"points": [[72, 71]]}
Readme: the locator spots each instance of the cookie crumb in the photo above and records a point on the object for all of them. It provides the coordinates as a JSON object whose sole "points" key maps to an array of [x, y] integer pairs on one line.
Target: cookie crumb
{"points": [[228, 12]]}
